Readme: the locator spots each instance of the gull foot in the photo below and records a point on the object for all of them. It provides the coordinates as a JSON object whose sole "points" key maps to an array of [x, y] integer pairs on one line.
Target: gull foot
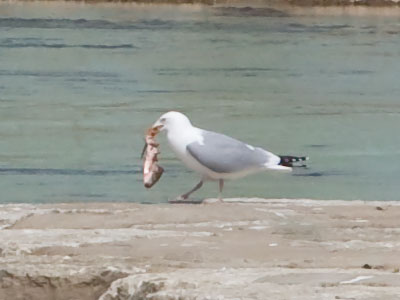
{"points": [[181, 198]]}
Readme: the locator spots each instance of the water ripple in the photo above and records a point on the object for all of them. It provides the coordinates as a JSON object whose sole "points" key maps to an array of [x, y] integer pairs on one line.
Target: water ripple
{"points": [[61, 46], [165, 91], [197, 26], [58, 73], [321, 174], [83, 24], [249, 12], [136, 169], [43, 171], [245, 71]]}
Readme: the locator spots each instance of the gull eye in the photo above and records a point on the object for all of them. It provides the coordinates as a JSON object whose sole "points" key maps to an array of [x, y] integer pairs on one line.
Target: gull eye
{"points": [[163, 120]]}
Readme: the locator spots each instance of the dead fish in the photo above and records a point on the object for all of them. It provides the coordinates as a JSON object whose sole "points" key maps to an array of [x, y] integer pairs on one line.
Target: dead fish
{"points": [[151, 170]]}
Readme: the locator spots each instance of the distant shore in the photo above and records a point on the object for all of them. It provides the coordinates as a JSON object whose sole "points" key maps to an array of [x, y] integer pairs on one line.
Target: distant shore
{"points": [[306, 3], [240, 8], [242, 249]]}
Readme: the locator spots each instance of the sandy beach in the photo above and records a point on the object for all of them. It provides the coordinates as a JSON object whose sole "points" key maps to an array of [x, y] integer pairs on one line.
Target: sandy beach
{"points": [[241, 249]]}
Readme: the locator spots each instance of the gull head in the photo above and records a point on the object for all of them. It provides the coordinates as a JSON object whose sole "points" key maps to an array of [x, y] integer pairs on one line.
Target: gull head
{"points": [[171, 120]]}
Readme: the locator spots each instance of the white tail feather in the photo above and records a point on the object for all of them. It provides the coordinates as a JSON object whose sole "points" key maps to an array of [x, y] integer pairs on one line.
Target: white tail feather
{"points": [[279, 168]]}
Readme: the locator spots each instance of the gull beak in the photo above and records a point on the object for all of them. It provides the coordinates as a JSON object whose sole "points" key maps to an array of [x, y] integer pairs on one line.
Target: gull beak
{"points": [[157, 127]]}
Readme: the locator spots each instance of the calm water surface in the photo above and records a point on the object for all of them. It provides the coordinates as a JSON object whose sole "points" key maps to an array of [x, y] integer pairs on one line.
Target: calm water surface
{"points": [[79, 84]]}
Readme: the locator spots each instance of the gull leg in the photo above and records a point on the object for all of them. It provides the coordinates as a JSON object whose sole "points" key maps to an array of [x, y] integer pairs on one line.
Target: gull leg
{"points": [[221, 187], [186, 195]]}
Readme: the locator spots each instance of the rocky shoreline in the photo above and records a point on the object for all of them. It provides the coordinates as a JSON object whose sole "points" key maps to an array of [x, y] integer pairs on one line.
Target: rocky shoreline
{"points": [[242, 249], [306, 3]]}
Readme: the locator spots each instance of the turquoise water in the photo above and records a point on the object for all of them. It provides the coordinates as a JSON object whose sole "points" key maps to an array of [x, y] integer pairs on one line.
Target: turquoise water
{"points": [[79, 84]]}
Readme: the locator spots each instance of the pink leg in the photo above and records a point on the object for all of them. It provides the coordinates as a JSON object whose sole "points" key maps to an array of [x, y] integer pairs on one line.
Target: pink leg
{"points": [[221, 187], [186, 195]]}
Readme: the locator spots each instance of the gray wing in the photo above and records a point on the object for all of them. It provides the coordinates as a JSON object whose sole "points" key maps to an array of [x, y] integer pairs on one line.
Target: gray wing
{"points": [[223, 154]]}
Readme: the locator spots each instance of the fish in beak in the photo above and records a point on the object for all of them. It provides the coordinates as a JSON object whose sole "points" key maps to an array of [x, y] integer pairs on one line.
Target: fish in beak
{"points": [[152, 131], [151, 170]]}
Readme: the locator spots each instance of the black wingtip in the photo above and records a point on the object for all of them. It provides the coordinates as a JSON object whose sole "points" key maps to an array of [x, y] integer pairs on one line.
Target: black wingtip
{"points": [[288, 160]]}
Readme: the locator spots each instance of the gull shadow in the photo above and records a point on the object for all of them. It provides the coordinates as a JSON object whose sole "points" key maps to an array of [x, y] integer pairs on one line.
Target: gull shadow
{"points": [[187, 201]]}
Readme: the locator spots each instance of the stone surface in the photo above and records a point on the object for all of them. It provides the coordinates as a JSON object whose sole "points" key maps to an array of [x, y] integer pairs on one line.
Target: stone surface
{"points": [[240, 249]]}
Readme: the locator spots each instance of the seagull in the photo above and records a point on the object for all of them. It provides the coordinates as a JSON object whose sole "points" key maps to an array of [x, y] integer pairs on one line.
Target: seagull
{"points": [[216, 156]]}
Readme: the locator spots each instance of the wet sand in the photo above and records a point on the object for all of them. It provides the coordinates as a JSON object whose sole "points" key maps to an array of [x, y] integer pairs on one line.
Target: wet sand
{"points": [[242, 249]]}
